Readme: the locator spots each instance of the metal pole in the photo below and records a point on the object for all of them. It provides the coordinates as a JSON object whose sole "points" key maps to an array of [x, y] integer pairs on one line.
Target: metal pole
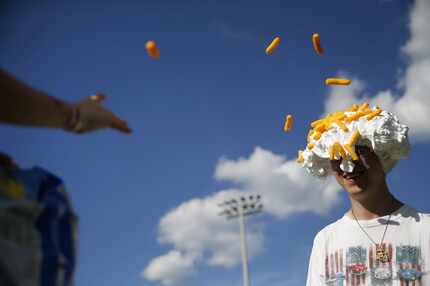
{"points": [[240, 208], [243, 248]]}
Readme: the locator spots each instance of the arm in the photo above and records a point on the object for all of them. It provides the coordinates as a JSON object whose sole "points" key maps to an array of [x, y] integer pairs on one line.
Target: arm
{"points": [[22, 105], [314, 277]]}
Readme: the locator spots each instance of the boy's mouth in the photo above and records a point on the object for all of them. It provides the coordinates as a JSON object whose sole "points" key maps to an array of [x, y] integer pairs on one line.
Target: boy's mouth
{"points": [[353, 176]]}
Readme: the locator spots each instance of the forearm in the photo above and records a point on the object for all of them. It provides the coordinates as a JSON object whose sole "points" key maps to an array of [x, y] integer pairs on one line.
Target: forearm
{"points": [[22, 105]]}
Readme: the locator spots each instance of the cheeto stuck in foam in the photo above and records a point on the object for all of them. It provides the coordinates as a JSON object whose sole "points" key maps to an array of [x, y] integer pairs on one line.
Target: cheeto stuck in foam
{"points": [[317, 135], [340, 150], [341, 125], [354, 137], [310, 133], [300, 156], [373, 114], [364, 106], [351, 150], [332, 152], [337, 81], [353, 107], [320, 127]]}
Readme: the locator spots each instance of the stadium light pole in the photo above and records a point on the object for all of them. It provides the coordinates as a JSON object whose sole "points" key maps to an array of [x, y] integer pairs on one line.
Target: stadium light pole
{"points": [[240, 208]]}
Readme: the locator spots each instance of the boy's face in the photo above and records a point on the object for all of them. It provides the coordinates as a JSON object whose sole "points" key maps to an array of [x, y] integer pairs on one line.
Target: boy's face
{"points": [[368, 173]]}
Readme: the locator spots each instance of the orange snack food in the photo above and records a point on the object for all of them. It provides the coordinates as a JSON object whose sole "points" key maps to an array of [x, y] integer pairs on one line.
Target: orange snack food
{"points": [[152, 50]]}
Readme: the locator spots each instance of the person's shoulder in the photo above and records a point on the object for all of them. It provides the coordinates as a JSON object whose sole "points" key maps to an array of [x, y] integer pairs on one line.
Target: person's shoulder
{"points": [[39, 170], [41, 176], [424, 216], [418, 216], [42, 172], [326, 231]]}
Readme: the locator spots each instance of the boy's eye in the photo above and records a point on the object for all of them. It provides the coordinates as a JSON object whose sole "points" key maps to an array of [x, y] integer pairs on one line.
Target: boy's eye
{"points": [[335, 165], [362, 150]]}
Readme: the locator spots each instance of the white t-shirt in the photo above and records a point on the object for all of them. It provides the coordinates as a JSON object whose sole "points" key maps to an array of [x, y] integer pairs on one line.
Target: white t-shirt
{"points": [[342, 254]]}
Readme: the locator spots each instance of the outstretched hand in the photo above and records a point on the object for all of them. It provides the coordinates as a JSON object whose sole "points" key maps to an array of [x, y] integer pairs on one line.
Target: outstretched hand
{"points": [[90, 115]]}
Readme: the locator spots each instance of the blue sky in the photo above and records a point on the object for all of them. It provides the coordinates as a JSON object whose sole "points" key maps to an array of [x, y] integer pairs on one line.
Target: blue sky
{"points": [[207, 120]]}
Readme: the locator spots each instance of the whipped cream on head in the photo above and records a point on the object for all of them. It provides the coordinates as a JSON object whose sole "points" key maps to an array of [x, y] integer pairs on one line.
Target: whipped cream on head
{"points": [[335, 137]]}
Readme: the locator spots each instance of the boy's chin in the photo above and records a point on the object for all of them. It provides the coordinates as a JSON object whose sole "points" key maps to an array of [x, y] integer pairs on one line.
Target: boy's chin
{"points": [[354, 190], [352, 187]]}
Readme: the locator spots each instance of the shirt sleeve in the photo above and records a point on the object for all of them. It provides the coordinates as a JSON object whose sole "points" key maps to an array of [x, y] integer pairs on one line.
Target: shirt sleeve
{"points": [[315, 269]]}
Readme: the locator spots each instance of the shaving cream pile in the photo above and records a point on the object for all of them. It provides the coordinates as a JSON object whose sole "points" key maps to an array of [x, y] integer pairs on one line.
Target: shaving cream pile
{"points": [[383, 133]]}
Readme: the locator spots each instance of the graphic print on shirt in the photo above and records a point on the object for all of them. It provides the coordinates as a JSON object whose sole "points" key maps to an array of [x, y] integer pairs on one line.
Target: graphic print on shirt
{"points": [[334, 268], [361, 264], [409, 265], [381, 272], [356, 266]]}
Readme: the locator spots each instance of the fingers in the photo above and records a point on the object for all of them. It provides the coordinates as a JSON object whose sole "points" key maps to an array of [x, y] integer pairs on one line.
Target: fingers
{"points": [[98, 97], [120, 125], [103, 116]]}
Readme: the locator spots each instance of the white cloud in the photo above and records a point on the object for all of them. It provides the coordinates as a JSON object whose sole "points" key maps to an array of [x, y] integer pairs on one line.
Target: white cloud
{"points": [[199, 235], [412, 101], [285, 187], [195, 227], [169, 268], [418, 46]]}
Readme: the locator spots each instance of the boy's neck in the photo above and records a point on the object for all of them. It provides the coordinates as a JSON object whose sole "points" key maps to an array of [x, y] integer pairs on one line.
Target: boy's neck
{"points": [[374, 207]]}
